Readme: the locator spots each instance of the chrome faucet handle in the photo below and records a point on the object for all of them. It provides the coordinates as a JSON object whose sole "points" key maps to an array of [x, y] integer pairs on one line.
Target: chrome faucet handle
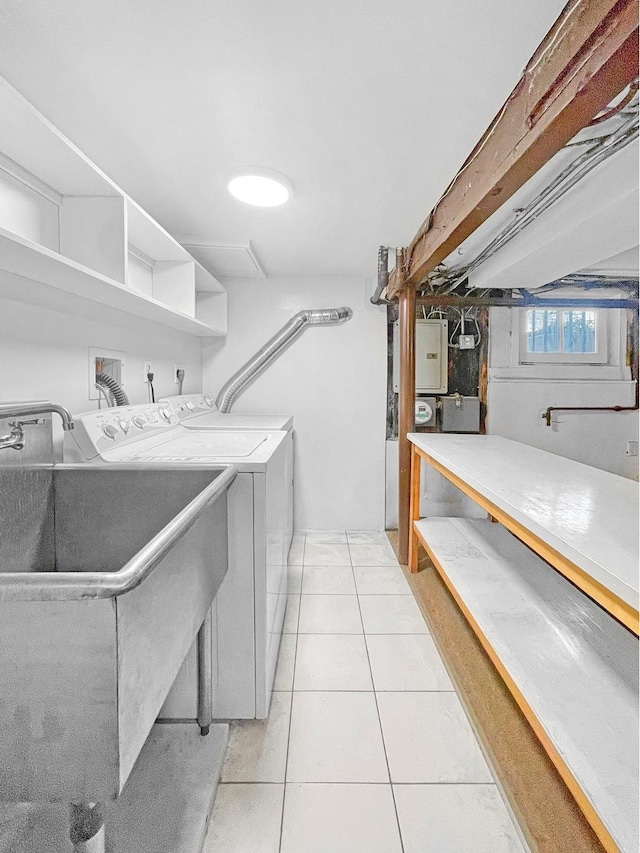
{"points": [[20, 424], [13, 440]]}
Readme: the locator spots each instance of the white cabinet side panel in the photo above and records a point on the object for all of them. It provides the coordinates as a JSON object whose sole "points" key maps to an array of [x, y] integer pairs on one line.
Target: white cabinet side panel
{"points": [[234, 692]]}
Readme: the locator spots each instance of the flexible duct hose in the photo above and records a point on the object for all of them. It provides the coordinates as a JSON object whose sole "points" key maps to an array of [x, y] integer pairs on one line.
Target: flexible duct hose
{"points": [[383, 276], [111, 385], [274, 346]]}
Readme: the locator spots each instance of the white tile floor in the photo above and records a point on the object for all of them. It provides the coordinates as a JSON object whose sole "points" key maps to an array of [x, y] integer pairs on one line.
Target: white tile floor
{"points": [[367, 748]]}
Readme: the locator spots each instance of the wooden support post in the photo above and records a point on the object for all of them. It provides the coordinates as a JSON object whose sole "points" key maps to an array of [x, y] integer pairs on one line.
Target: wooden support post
{"points": [[406, 414]]}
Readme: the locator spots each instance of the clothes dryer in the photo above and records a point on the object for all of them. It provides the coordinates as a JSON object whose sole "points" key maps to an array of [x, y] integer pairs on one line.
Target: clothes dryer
{"points": [[198, 411]]}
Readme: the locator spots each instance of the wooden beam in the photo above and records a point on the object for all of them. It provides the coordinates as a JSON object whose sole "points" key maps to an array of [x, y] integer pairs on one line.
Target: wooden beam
{"points": [[406, 414], [587, 58]]}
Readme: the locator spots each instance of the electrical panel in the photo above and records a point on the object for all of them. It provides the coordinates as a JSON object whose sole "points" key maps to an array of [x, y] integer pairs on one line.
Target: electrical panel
{"points": [[431, 356]]}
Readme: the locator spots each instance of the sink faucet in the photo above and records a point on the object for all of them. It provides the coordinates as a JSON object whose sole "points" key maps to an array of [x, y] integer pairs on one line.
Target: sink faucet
{"points": [[16, 410]]}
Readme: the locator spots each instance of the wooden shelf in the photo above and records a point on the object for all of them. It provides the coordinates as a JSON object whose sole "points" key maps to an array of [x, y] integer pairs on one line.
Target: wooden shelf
{"points": [[21, 257], [572, 669]]}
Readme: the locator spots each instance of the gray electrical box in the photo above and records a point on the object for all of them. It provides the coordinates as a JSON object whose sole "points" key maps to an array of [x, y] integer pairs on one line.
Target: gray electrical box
{"points": [[432, 356], [460, 414]]}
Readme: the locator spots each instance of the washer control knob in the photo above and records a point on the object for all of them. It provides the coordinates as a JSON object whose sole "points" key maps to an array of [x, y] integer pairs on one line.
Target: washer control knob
{"points": [[110, 431], [125, 426], [190, 406], [209, 402], [138, 421], [166, 414]]}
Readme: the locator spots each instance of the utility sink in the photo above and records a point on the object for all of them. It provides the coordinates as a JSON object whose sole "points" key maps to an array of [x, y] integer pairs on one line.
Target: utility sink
{"points": [[106, 575]]}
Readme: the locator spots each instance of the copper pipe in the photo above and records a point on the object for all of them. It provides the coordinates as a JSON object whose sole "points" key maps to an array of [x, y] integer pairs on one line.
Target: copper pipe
{"points": [[634, 408], [547, 414], [406, 413]]}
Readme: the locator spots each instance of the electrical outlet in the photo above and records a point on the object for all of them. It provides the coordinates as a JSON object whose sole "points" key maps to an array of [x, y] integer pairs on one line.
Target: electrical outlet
{"points": [[176, 368], [466, 342], [147, 368], [632, 448]]}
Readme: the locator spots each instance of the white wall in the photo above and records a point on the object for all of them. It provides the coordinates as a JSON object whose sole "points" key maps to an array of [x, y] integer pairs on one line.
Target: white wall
{"points": [[44, 353], [516, 402], [332, 379]]}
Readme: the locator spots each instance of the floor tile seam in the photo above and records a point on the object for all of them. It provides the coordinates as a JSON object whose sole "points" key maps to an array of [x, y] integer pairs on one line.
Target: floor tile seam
{"points": [[395, 634], [378, 784], [378, 594], [391, 784], [334, 690], [328, 593], [413, 690], [384, 745], [448, 784], [293, 680], [331, 633], [476, 734]]}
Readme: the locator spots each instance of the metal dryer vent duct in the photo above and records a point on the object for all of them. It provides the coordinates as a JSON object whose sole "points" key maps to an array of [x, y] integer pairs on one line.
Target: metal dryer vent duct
{"points": [[274, 346]]}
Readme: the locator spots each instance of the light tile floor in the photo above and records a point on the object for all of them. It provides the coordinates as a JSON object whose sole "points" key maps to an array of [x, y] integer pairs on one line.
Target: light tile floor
{"points": [[367, 748]]}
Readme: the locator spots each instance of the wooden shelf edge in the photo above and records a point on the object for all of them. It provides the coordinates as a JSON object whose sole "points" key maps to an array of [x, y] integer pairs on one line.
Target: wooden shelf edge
{"points": [[621, 610], [23, 258]]}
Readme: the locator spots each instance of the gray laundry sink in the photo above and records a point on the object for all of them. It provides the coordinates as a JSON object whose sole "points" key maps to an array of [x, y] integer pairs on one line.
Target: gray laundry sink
{"points": [[106, 575]]}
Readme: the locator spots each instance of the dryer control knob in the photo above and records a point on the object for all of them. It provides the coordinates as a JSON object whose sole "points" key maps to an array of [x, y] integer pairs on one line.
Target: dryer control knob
{"points": [[110, 431], [190, 406], [138, 421], [209, 402], [166, 414]]}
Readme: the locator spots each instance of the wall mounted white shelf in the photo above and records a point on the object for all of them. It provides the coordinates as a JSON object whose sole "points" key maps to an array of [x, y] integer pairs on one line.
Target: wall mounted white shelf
{"points": [[67, 226]]}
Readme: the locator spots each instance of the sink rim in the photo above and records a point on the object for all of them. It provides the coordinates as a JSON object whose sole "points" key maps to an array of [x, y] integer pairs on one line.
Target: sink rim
{"points": [[70, 586]]}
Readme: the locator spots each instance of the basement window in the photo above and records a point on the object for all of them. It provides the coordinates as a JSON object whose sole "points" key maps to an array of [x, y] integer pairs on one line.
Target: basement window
{"points": [[563, 336]]}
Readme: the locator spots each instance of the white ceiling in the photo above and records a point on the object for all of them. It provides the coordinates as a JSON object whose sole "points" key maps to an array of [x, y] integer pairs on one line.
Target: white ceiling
{"points": [[368, 106]]}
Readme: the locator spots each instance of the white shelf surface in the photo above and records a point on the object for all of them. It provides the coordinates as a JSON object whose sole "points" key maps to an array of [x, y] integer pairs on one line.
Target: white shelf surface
{"points": [[575, 666], [34, 152], [588, 516], [29, 139], [21, 257]]}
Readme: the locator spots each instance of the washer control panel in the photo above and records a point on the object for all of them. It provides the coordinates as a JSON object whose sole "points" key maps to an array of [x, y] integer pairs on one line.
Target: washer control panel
{"points": [[186, 405], [106, 429]]}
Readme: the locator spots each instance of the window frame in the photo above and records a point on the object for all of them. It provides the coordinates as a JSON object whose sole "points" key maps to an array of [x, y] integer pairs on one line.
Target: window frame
{"points": [[504, 352], [600, 357]]}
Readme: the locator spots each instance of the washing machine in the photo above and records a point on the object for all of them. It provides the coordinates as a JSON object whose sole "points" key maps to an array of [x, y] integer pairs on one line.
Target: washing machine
{"points": [[198, 411], [249, 607]]}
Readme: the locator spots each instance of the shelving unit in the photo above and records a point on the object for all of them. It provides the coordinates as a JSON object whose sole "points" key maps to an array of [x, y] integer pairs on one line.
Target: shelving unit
{"points": [[572, 668], [549, 586], [67, 226]]}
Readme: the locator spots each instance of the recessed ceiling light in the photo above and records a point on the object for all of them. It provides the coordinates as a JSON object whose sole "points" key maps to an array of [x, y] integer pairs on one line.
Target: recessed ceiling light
{"points": [[260, 187]]}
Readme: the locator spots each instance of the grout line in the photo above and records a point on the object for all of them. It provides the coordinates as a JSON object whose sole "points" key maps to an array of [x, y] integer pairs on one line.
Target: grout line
{"points": [[384, 745], [396, 784], [293, 681]]}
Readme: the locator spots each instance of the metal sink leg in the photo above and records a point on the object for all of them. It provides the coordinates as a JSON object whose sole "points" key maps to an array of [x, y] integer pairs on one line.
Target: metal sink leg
{"points": [[205, 667], [86, 827]]}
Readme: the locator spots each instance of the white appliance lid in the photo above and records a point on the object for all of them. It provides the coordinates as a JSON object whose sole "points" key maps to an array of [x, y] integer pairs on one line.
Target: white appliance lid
{"points": [[212, 444]]}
